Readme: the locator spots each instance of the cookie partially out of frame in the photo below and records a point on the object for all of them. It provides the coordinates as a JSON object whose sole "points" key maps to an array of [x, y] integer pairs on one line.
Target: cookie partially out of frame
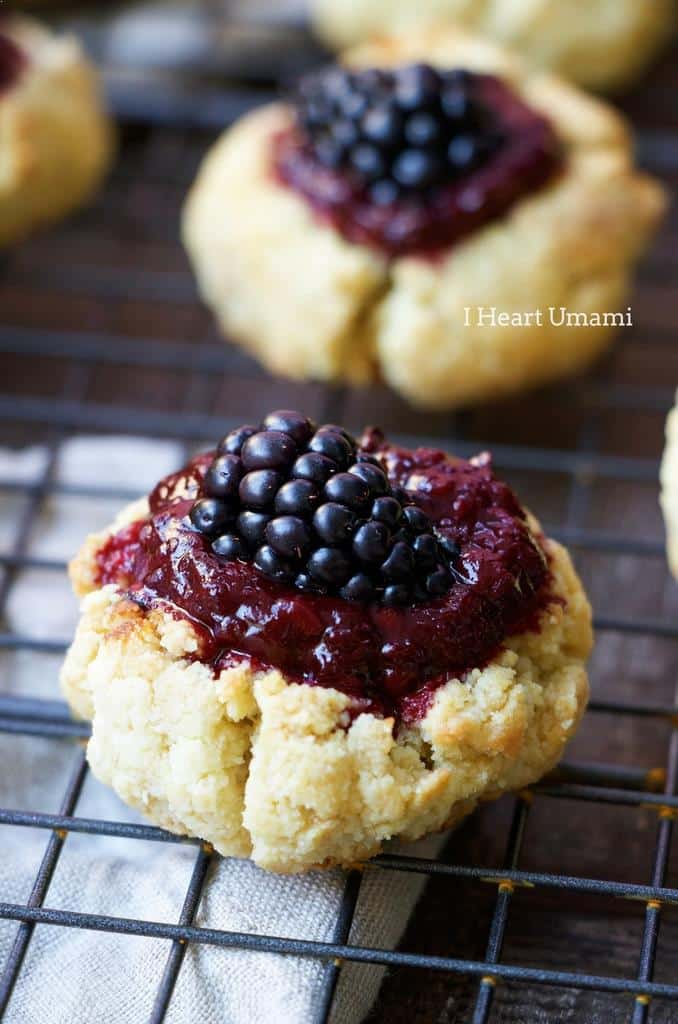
{"points": [[258, 703], [314, 291], [55, 137], [599, 44], [669, 492]]}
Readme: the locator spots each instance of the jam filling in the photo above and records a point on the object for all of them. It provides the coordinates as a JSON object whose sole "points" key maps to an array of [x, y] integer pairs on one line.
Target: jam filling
{"points": [[525, 157], [12, 62], [389, 660]]}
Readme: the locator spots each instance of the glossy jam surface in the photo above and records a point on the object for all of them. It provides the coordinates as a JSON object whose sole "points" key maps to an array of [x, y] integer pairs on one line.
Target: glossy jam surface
{"points": [[12, 61], [389, 660], [527, 160]]}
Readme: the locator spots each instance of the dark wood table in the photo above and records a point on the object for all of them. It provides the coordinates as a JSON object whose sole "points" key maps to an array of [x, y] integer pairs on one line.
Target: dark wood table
{"points": [[99, 321]]}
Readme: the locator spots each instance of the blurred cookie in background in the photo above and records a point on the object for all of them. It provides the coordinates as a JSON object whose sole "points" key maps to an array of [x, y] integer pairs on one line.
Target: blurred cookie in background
{"points": [[600, 44], [669, 492], [55, 137], [368, 227]]}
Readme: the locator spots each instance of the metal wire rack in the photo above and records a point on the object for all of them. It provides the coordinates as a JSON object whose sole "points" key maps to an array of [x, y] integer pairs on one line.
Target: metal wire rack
{"points": [[80, 320]]}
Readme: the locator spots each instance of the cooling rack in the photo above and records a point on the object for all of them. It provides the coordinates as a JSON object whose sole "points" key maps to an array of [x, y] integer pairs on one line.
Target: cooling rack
{"points": [[547, 906]]}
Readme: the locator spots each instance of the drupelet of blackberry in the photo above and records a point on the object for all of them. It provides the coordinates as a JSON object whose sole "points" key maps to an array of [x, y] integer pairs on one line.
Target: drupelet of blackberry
{"points": [[310, 510], [400, 132]]}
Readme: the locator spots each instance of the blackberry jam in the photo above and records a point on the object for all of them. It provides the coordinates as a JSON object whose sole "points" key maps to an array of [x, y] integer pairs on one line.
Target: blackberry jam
{"points": [[412, 160], [12, 61], [388, 657]]}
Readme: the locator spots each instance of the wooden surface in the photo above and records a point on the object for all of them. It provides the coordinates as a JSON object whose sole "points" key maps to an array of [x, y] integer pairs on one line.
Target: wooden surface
{"points": [[118, 270]]}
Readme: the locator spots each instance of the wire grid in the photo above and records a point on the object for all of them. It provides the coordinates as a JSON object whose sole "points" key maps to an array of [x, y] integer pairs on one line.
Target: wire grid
{"points": [[73, 407]]}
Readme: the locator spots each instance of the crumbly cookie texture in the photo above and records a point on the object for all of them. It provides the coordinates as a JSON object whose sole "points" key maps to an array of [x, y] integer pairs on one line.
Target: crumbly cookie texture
{"points": [[308, 303], [669, 488], [265, 767], [600, 44], [55, 139]]}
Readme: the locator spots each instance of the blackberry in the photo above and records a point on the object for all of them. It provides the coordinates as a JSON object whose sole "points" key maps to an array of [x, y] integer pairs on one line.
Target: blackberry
{"points": [[348, 490], [311, 510], [332, 445], [289, 422], [334, 428], [273, 565], [372, 542], [438, 582], [423, 129], [314, 467], [400, 563], [233, 442], [383, 126], [384, 193], [463, 152], [259, 488], [359, 588], [417, 520], [425, 548], [209, 515], [223, 477], [400, 132], [289, 536], [368, 162], [252, 526], [417, 169], [269, 449], [297, 498], [374, 477], [307, 584], [334, 523], [417, 87], [231, 547], [330, 566], [387, 510], [395, 594]]}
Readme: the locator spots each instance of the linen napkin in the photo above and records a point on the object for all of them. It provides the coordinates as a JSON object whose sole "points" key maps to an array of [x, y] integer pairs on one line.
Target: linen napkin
{"points": [[72, 977]]}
